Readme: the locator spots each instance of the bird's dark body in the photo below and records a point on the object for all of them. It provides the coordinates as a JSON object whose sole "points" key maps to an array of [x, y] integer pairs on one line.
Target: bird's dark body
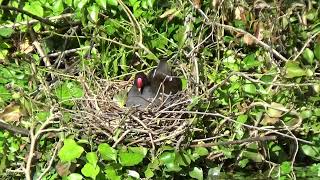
{"points": [[157, 86]]}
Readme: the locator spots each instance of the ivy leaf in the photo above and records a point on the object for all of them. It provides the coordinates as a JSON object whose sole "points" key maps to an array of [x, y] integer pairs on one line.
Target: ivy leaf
{"points": [[132, 157], [250, 61], [172, 167], [111, 173], [92, 158], [255, 156], [201, 151], [311, 151], [58, 7], [167, 157], [285, 168], [74, 176], [196, 173], [250, 89], [79, 4], [94, 13], [112, 2], [90, 170], [308, 55], [102, 3], [67, 91], [148, 173], [317, 51], [6, 32], [107, 152], [34, 8], [68, 2], [70, 151], [141, 150], [134, 174], [294, 70]]}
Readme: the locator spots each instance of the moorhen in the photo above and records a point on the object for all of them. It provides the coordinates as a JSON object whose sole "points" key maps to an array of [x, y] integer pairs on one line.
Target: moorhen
{"points": [[141, 93], [144, 91], [162, 78]]}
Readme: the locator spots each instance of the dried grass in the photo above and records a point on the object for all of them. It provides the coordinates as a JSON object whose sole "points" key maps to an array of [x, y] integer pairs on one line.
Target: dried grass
{"points": [[100, 116]]}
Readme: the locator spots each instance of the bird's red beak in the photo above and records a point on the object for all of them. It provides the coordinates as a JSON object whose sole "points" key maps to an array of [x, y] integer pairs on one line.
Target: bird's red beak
{"points": [[139, 84]]}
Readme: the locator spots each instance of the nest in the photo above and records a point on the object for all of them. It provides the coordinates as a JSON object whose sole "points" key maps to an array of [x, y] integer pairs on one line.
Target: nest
{"points": [[102, 117]]}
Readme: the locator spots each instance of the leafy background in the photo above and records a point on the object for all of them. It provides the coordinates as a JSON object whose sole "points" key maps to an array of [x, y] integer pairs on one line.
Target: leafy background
{"points": [[256, 62]]}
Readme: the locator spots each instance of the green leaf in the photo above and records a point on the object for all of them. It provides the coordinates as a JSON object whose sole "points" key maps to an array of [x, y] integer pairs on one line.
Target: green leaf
{"points": [[102, 3], [172, 167], [111, 173], [130, 158], [276, 109], [94, 13], [6, 32], [42, 116], [285, 168], [306, 114], [70, 151], [110, 26], [123, 62], [112, 2], [250, 61], [255, 156], [3, 53], [132, 2], [90, 170], [167, 157], [250, 89], [148, 173], [308, 55], [317, 51], [140, 149], [213, 173], [120, 98], [107, 152], [169, 160], [180, 36], [183, 158], [74, 176], [68, 2], [294, 70], [115, 67], [134, 174], [68, 91], [34, 8], [58, 7], [196, 173], [150, 3], [311, 151], [201, 151], [92, 158], [243, 162], [80, 3]]}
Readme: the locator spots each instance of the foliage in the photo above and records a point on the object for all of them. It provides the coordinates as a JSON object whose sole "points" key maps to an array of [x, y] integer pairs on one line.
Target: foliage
{"points": [[238, 76]]}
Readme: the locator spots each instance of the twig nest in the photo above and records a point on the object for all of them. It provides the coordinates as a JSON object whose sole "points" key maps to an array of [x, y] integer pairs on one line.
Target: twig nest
{"points": [[101, 115]]}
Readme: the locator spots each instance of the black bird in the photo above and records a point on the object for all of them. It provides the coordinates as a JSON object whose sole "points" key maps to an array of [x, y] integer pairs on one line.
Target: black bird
{"points": [[146, 91], [161, 77]]}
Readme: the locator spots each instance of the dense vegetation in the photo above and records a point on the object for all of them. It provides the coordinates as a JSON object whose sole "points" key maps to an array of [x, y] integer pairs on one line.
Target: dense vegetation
{"points": [[250, 72]]}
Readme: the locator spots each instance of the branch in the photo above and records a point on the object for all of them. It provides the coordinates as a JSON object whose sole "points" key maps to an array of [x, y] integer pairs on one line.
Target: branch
{"points": [[33, 139], [234, 121], [24, 23], [44, 21], [231, 28], [248, 140], [14, 129], [50, 162]]}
